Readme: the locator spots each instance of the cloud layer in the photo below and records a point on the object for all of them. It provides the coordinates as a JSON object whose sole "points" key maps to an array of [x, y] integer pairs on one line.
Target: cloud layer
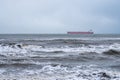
{"points": [[59, 16]]}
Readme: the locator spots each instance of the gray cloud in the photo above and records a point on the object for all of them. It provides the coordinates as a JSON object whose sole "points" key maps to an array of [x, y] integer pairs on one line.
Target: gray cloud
{"points": [[59, 16]]}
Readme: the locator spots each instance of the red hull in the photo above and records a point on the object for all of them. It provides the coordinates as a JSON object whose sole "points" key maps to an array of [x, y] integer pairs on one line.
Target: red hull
{"points": [[80, 32]]}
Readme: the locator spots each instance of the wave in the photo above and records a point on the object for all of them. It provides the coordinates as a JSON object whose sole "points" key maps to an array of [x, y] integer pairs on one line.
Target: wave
{"points": [[19, 49], [16, 65], [112, 52], [60, 72], [38, 53], [72, 38]]}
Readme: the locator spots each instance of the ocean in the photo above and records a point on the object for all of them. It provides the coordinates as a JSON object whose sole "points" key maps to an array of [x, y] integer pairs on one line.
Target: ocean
{"points": [[59, 57]]}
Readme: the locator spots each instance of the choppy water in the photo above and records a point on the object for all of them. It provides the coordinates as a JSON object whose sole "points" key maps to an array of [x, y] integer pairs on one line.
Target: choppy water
{"points": [[60, 57]]}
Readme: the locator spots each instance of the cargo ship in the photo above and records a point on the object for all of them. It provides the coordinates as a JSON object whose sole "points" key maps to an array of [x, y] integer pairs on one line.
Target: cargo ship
{"points": [[84, 32]]}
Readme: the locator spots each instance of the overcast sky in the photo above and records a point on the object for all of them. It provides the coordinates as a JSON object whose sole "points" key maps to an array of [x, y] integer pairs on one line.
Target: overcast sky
{"points": [[59, 16]]}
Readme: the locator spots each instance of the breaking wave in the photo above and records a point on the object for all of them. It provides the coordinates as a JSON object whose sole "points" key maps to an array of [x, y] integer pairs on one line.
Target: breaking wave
{"points": [[15, 53], [112, 52], [24, 49], [61, 72], [59, 58]]}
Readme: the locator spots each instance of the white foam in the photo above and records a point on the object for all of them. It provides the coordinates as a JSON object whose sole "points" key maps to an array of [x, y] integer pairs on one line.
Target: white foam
{"points": [[26, 50], [83, 72], [90, 48], [29, 49]]}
